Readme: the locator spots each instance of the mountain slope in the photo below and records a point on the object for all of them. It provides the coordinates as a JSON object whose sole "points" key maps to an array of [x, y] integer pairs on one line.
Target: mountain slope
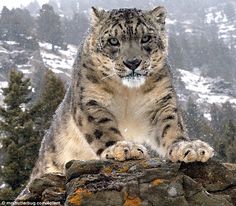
{"points": [[33, 63]]}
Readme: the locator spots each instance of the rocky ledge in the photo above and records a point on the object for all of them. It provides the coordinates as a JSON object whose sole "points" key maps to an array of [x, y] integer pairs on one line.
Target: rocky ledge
{"points": [[138, 183]]}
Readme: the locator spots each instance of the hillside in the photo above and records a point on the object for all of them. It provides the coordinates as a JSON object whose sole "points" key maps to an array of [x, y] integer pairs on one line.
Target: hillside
{"points": [[34, 62]]}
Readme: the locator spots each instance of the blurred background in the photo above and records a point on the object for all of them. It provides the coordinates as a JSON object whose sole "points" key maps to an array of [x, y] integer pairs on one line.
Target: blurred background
{"points": [[38, 44]]}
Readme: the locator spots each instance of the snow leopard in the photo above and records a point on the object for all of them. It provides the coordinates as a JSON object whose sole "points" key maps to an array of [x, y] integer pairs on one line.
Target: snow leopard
{"points": [[121, 97]]}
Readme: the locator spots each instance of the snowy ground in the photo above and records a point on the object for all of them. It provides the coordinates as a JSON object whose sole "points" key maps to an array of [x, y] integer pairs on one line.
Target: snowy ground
{"points": [[59, 62], [203, 88]]}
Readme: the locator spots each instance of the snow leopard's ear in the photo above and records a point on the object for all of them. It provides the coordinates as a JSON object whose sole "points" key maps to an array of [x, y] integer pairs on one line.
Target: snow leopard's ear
{"points": [[97, 15], [159, 13]]}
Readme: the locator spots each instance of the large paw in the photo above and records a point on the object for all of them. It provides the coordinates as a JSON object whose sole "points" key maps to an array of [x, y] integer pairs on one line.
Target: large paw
{"points": [[190, 151], [124, 150]]}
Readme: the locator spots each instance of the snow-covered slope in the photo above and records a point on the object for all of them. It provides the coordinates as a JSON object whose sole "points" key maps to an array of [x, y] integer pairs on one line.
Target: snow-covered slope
{"points": [[226, 25], [60, 61], [13, 56], [206, 90]]}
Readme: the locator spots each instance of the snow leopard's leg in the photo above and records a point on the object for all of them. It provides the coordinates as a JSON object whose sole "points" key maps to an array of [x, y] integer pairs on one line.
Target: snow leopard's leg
{"points": [[178, 146], [170, 135]]}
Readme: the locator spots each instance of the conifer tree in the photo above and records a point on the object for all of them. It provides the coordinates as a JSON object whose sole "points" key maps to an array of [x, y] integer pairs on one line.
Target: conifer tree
{"points": [[53, 92], [197, 125], [227, 142], [19, 140], [16, 24], [224, 128], [216, 117], [192, 117], [49, 26]]}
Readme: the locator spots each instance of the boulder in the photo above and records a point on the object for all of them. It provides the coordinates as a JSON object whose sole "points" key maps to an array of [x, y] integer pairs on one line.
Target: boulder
{"points": [[138, 183]]}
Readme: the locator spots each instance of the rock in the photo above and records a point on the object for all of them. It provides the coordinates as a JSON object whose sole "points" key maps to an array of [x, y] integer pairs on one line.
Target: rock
{"points": [[139, 183], [214, 176], [50, 188], [56, 194], [20, 58], [46, 181], [230, 166]]}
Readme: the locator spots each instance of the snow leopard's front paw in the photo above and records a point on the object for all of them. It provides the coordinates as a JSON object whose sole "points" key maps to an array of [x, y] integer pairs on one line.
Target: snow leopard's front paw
{"points": [[190, 151], [124, 150]]}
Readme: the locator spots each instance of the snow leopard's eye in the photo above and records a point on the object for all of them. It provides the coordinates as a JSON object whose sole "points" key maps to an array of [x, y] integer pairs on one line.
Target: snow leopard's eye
{"points": [[145, 39], [114, 41]]}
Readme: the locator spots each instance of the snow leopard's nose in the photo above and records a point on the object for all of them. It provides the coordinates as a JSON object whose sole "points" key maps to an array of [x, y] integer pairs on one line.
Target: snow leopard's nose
{"points": [[132, 63]]}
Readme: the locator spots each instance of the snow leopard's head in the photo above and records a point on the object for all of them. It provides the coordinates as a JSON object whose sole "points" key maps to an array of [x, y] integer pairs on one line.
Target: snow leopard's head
{"points": [[130, 43]]}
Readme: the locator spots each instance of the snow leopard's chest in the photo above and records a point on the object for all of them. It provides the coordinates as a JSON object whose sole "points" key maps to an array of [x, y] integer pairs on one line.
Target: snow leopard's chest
{"points": [[130, 110]]}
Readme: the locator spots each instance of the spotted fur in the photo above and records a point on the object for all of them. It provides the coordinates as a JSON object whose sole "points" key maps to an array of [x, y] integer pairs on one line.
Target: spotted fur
{"points": [[121, 95]]}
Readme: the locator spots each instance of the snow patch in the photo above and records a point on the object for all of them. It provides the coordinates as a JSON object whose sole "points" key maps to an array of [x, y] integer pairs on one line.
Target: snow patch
{"points": [[226, 28], [3, 84], [188, 30], [3, 50], [60, 61], [217, 99], [57, 71], [25, 71], [207, 116], [216, 17], [170, 21], [194, 82], [11, 42], [202, 88], [3, 186]]}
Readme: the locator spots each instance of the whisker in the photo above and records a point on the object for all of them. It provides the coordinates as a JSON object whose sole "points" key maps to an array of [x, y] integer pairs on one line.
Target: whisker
{"points": [[111, 75]]}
